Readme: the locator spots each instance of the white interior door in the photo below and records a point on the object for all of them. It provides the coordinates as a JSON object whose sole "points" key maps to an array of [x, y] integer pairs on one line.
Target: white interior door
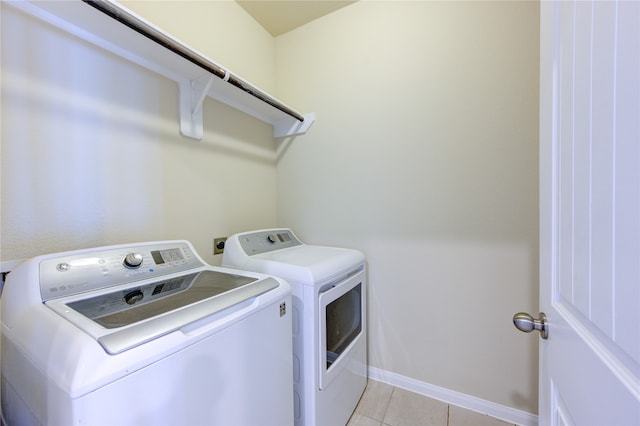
{"points": [[590, 212]]}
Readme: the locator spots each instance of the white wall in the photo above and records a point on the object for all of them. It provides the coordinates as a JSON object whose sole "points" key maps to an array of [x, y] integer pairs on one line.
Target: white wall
{"points": [[424, 156], [90, 146]]}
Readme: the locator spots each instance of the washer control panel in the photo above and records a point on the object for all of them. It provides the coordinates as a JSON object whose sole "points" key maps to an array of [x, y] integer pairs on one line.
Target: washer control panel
{"points": [[76, 272], [267, 240]]}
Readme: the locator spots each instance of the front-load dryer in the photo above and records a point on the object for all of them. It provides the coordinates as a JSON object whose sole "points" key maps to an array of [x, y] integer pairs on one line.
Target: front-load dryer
{"points": [[144, 334], [329, 321]]}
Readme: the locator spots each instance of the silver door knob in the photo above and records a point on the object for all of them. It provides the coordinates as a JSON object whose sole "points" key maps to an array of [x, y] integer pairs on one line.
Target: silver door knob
{"points": [[525, 322]]}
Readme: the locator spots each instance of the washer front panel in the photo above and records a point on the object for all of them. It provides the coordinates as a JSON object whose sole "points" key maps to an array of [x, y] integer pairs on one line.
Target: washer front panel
{"points": [[80, 271]]}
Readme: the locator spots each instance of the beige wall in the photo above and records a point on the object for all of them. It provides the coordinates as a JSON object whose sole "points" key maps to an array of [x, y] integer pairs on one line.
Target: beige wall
{"points": [[221, 30], [90, 146], [424, 156]]}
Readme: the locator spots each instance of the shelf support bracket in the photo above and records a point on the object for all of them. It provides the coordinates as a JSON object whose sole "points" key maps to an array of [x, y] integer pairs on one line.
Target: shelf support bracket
{"points": [[192, 95], [289, 126]]}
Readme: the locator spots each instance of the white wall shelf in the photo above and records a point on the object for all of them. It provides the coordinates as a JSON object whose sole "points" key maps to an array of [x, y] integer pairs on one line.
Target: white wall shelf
{"points": [[197, 76]]}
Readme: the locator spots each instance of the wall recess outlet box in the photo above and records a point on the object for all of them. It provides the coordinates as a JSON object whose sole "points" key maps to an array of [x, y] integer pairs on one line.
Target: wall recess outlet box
{"points": [[218, 245]]}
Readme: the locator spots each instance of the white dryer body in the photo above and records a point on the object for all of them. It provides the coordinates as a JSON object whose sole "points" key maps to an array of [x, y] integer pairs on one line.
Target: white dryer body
{"points": [[329, 320]]}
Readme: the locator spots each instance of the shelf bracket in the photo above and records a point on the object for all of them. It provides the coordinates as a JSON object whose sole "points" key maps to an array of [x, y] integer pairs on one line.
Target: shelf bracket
{"points": [[192, 95], [118, 30], [289, 126]]}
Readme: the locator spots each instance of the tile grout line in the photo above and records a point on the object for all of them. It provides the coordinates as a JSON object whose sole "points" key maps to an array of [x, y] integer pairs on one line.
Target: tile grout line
{"points": [[384, 416], [448, 421]]}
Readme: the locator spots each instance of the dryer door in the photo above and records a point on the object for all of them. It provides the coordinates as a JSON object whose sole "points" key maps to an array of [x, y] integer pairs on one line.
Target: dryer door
{"points": [[341, 325]]}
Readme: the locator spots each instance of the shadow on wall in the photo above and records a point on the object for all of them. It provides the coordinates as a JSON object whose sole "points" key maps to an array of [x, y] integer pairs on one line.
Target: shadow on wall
{"points": [[440, 312]]}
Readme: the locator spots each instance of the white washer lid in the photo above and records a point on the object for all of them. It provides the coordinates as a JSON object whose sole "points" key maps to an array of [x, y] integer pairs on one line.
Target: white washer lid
{"points": [[306, 264]]}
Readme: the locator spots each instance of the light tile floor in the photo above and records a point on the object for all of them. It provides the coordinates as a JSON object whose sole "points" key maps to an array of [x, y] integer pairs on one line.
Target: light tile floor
{"points": [[383, 404]]}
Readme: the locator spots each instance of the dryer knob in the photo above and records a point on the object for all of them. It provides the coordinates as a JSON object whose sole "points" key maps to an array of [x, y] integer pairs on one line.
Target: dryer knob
{"points": [[132, 260], [272, 238]]}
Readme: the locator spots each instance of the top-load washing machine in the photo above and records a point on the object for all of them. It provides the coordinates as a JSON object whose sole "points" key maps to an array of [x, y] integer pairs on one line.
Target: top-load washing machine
{"points": [[144, 334], [329, 321]]}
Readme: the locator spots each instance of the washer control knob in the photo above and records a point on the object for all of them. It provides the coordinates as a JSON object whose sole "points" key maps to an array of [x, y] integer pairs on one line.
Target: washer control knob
{"points": [[132, 260], [133, 297], [272, 238], [63, 267]]}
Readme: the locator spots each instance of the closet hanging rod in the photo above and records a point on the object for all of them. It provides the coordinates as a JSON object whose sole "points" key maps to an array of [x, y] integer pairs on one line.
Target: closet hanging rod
{"points": [[123, 16]]}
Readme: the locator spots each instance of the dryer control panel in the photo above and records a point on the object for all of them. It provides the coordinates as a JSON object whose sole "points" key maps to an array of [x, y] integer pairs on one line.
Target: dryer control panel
{"points": [[75, 272], [267, 240]]}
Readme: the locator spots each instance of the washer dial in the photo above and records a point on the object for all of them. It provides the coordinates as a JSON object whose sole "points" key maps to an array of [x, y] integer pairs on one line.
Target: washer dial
{"points": [[132, 260]]}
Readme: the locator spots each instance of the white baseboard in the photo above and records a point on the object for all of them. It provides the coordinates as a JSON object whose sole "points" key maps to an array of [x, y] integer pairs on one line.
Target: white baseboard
{"points": [[502, 412]]}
